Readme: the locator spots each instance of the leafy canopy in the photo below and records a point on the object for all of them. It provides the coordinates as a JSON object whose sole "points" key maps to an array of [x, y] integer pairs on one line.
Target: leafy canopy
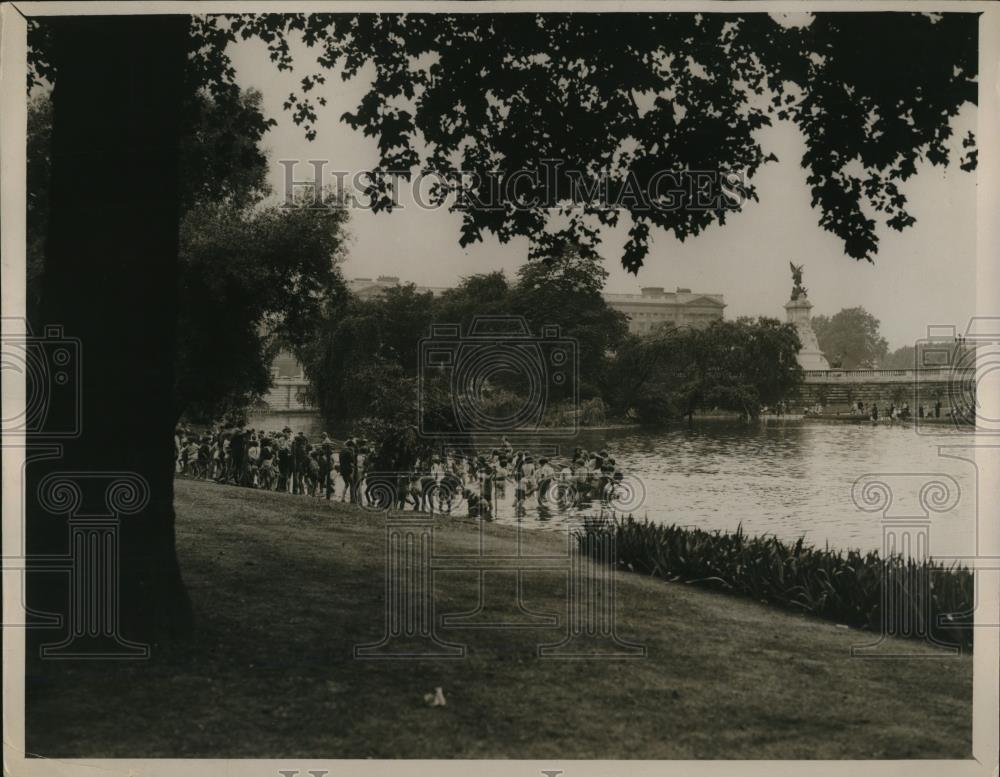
{"points": [[364, 339], [624, 101], [740, 366], [623, 98], [850, 339], [251, 278]]}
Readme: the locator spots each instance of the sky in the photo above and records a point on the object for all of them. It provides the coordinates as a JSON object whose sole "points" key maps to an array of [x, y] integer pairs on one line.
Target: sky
{"points": [[922, 276]]}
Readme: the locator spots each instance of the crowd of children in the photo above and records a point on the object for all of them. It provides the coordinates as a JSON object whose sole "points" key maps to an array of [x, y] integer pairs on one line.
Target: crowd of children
{"points": [[274, 461], [288, 462]]}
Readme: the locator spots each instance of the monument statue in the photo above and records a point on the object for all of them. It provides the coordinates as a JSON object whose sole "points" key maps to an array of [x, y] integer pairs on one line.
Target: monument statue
{"points": [[810, 356], [798, 290]]}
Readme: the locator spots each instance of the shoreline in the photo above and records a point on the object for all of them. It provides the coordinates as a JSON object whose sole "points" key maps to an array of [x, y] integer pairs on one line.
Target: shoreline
{"points": [[707, 417], [529, 525]]}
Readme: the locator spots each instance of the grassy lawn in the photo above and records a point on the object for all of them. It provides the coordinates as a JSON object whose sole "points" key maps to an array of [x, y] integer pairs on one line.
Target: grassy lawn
{"points": [[284, 588]]}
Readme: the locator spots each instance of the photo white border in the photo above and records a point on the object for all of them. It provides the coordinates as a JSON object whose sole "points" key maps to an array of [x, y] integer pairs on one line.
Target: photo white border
{"points": [[986, 680]]}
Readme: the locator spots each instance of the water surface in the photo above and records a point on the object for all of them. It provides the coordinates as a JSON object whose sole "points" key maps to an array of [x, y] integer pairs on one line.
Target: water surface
{"points": [[790, 479]]}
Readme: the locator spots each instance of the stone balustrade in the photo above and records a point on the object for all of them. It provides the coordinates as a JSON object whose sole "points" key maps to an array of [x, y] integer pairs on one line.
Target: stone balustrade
{"points": [[844, 388], [931, 375]]}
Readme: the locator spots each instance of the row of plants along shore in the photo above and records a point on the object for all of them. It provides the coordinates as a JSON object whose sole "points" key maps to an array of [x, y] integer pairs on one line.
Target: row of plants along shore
{"points": [[843, 586]]}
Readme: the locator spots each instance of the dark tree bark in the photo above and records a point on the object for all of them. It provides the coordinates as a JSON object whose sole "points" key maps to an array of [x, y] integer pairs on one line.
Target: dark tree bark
{"points": [[111, 280]]}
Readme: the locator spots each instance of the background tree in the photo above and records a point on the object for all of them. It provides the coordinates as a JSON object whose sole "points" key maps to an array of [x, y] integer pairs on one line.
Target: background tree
{"points": [[403, 318], [487, 294], [927, 356], [566, 290], [388, 421], [850, 339], [358, 343], [903, 358], [39, 173], [740, 366], [252, 280], [251, 277]]}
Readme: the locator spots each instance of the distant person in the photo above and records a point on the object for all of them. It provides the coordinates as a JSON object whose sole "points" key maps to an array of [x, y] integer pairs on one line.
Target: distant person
{"points": [[238, 452], [253, 462], [546, 474], [313, 474], [520, 488], [346, 460], [500, 479], [937, 409], [437, 468], [300, 463], [326, 465], [360, 471], [485, 476], [528, 468], [284, 463]]}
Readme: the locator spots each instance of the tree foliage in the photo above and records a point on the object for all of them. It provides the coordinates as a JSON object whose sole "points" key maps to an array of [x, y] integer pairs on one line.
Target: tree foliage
{"points": [[604, 111], [370, 334], [905, 357], [565, 290], [850, 339], [624, 100], [739, 366], [251, 277]]}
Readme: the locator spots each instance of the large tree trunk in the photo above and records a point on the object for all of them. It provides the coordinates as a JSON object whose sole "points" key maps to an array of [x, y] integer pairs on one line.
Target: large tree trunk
{"points": [[111, 280]]}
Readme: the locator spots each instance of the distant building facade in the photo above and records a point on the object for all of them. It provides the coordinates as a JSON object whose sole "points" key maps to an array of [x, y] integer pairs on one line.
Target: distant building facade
{"points": [[289, 392], [366, 288], [653, 306]]}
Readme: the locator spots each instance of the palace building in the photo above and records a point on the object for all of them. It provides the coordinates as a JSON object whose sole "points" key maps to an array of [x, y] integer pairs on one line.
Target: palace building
{"points": [[366, 288], [653, 307]]}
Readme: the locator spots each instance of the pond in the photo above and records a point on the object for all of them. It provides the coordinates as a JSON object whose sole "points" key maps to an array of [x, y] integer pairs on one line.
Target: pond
{"points": [[787, 478]]}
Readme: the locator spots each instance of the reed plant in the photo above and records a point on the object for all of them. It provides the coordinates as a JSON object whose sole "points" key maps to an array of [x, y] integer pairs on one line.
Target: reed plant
{"points": [[927, 598]]}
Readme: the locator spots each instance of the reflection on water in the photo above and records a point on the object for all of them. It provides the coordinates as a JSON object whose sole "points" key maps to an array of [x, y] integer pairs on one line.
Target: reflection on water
{"points": [[789, 479]]}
